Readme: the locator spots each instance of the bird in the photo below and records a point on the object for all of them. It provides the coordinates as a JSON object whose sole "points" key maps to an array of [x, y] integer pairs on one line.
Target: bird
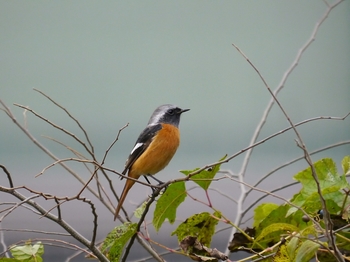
{"points": [[154, 148]]}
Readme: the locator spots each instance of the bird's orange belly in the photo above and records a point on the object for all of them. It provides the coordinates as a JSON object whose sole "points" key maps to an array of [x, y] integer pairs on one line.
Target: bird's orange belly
{"points": [[159, 153]]}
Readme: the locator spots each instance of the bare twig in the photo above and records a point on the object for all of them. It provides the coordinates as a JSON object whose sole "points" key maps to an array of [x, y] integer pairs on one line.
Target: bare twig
{"points": [[89, 244], [57, 127], [72, 117], [114, 141], [299, 158], [278, 197], [75, 152], [9, 178], [59, 161], [23, 230], [2, 240], [25, 200], [252, 146], [49, 153]]}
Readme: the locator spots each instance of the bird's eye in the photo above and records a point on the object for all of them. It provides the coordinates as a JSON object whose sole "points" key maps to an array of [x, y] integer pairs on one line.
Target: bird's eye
{"points": [[171, 111]]}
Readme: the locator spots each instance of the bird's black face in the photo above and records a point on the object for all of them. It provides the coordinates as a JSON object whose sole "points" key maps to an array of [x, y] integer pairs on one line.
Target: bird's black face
{"points": [[172, 116], [175, 111], [168, 114]]}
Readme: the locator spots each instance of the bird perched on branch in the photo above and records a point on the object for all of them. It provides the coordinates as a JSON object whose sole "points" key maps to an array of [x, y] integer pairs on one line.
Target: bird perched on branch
{"points": [[154, 148]]}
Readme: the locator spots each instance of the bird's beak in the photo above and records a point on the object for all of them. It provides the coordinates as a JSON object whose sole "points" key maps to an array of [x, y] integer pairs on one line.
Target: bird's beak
{"points": [[183, 110]]}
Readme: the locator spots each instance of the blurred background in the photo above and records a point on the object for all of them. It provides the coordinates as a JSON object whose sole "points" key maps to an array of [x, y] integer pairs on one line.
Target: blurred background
{"points": [[112, 63]]}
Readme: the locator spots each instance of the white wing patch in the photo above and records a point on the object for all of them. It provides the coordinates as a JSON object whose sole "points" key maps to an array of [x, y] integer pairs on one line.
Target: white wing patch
{"points": [[136, 147]]}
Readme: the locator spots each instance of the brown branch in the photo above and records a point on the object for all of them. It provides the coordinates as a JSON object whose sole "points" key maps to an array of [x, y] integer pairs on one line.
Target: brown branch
{"points": [[58, 220], [112, 144], [46, 151], [142, 218], [71, 116], [9, 178], [57, 127]]}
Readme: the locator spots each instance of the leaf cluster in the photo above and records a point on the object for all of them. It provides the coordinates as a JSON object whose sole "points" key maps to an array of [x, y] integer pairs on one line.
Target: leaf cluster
{"points": [[296, 229]]}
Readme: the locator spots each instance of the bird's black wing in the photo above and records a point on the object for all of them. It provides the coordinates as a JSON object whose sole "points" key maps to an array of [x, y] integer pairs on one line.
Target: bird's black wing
{"points": [[141, 144]]}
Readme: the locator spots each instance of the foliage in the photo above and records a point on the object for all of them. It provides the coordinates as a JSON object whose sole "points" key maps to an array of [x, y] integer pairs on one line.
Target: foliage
{"points": [[116, 240], [168, 203], [291, 231], [296, 228], [201, 226], [26, 253]]}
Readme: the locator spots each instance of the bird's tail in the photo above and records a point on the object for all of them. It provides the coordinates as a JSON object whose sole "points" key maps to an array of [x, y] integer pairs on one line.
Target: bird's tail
{"points": [[128, 184]]}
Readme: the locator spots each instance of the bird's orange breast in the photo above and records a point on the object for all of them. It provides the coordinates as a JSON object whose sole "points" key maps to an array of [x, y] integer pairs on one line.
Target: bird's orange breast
{"points": [[159, 152]]}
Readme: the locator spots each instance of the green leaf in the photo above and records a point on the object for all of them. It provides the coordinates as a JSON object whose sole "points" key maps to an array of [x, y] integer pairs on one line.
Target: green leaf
{"points": [[28, 252], [204, 178], [345, 163], [262, 211], [343, 240], [306, 251], [269, 232], [168, 203], [117, 239], [139, 211], [292, 246], [326, 171], [282, 255], [331, 184], [202, 226], [5, 259]]}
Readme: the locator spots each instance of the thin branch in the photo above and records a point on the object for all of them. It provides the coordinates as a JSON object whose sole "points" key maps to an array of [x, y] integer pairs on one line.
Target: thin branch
{"points": [[278, 197], [226, 160], [75, 152], [9, 178], [57, 127], [2, 240], [72, 117], [46, 151], [114, 141], [23, 230], [58, 220], [299, 158], [25, 200], [81, 156], [64, 160], [142, 218]]}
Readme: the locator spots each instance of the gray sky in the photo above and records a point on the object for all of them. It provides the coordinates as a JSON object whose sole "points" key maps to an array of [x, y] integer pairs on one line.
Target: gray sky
{"points": [[112, 63]]}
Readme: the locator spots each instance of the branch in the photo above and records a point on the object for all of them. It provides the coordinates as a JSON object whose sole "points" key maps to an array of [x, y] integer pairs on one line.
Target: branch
{"points": [[70, 115], [8, 175], [49, 153], [57, 220], [142, 218], [57, 127]]}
